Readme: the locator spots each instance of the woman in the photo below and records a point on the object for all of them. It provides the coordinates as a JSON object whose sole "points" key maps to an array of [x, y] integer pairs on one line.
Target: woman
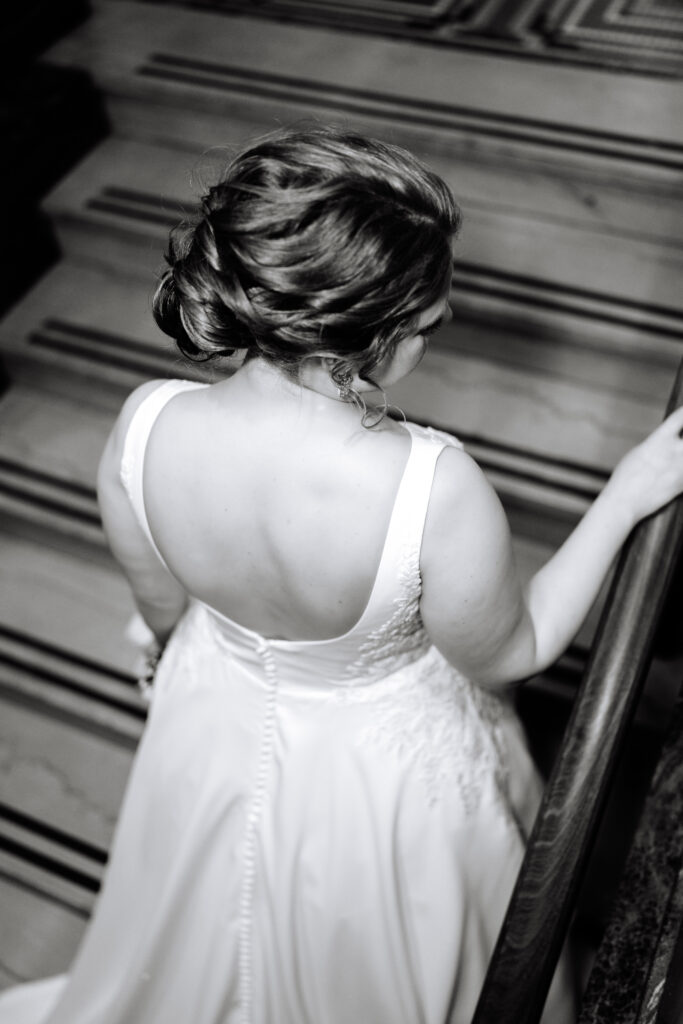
{"points": [[329, 806]]}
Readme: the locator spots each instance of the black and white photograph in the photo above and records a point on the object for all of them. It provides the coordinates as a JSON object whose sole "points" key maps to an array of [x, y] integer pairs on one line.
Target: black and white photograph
{"points": [[341, 512]]}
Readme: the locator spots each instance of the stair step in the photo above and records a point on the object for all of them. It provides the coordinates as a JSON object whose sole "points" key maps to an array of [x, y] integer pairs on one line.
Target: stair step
{"points": [[530, 411], [40, 431], [578, 109], [118, 206], [57, 772], [49, 452], [589, 403], [50, 448], [41, 928], [71, 711], [87, 332], [71, 719], [86, 323], [70, 603], [164, 102]]}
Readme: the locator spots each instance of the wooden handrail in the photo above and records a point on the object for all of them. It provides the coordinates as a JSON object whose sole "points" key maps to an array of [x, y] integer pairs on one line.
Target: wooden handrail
{"points": [[542, 902]]}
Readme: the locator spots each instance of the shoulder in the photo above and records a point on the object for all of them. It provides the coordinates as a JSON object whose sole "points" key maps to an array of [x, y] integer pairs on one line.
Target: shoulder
{"points": [[133, 403], [432, 434], [471, 599], [465, 520], [458, 482], [111, 457]]}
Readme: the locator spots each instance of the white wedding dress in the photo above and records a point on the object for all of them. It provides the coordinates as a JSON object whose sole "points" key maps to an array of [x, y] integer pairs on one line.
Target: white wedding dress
{"points": [[313, 832]]}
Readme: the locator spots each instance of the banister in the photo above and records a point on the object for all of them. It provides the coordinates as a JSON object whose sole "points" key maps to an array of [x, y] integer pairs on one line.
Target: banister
{"points": [[542, 902]]}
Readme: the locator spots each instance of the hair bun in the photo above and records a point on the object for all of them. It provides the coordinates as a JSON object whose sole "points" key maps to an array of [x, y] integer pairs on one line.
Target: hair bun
{"points": [[195, 301], [316, 241]]}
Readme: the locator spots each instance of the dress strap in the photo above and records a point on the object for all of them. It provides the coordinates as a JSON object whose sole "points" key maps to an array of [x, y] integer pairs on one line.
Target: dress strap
{"points": [[412, 500], [400, 557], [135, 444]]}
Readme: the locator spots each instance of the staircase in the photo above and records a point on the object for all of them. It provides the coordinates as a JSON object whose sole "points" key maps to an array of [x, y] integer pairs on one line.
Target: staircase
{"points": [[567, 330]]}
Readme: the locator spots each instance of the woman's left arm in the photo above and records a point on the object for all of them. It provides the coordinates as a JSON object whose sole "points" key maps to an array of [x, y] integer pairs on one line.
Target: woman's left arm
{"points": [[158, 595]]}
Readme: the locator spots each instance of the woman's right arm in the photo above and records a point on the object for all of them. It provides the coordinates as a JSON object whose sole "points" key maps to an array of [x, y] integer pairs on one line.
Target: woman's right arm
{"points": [[159, 597], [476, 610]]}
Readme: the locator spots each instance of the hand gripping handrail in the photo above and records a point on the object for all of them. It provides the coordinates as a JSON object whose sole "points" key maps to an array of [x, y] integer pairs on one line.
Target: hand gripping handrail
{"points": [[542, 902]]}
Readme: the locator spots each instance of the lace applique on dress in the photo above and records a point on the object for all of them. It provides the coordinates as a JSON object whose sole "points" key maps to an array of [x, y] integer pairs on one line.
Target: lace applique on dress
{"points": [[493, 712], [433, 725], [445, 727], [402, 638]]}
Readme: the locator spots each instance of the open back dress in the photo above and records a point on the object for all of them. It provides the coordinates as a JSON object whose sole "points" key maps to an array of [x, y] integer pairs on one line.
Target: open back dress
{"points": [[313, 832]]}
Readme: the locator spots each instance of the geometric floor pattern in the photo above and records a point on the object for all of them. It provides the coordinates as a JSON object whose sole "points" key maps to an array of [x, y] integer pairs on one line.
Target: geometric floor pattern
{"points": [[644, 36]]}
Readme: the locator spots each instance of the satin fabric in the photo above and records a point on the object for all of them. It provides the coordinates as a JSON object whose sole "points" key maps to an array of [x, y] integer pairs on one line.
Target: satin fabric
{"points": [[313, 832]]}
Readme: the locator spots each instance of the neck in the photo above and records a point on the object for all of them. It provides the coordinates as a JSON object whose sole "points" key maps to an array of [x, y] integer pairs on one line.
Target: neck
{"points": [[316, 396], [314, 382]]}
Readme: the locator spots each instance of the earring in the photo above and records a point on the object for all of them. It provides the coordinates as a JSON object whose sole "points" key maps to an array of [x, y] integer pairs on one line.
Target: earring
{"points": [[371, 415], [343, 378]]}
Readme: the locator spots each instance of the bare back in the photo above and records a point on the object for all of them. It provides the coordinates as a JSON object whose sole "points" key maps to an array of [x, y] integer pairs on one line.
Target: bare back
{"points": [[274, 516]]}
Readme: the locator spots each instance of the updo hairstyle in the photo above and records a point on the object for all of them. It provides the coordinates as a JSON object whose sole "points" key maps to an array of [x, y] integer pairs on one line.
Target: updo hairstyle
{"points": [[315, 242]]}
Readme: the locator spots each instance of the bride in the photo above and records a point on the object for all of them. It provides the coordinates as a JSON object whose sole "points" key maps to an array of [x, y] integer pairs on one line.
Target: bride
{"points": [[330, 802]]}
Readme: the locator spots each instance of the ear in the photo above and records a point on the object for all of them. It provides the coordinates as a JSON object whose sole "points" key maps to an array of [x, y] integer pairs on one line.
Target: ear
{"points": [[340, 368]]}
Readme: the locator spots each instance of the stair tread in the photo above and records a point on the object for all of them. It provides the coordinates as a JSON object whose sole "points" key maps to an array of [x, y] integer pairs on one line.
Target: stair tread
{"points": [[583, 177], [91, 302], [54, 437], [75, 604], [61, 775], [50, 448], [120, 202], [88, 331], [116, 41], [40, 935], [89, 297], [608, 202], [71, 713], [590, 404]]}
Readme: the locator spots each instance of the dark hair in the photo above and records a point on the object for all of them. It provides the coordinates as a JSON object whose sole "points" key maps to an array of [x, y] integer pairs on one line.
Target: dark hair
{"points": [[315, 241]]}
